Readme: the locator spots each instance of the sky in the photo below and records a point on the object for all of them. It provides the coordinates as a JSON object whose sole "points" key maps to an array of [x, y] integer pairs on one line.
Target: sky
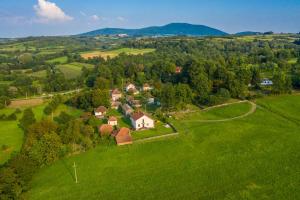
{"points": [[21, 18]]}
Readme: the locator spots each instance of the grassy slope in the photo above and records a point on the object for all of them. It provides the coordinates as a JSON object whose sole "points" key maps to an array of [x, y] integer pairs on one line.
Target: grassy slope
{"points": [[73, 70], [12, 135], [252, 158]]}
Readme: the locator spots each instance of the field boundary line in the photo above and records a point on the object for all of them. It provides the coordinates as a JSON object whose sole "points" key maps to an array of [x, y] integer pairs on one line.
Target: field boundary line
{"points": [[251, 111], [156, 138]]}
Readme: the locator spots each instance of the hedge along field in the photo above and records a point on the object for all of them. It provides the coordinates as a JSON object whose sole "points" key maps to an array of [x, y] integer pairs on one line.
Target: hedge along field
{"points": [[12, 136], [114, 53], [256, 157]]}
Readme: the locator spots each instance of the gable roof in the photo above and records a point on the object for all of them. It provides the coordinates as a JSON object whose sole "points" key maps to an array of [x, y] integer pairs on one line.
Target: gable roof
{"points": [[106, 129], [137, 115], [123, 136], [101, 109], [112, 119]]}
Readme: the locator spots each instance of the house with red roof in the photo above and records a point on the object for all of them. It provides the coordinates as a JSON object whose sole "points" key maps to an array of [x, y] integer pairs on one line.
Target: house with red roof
{"points": [[139, 121], [100, 112], [116, 95], [113, 121]]}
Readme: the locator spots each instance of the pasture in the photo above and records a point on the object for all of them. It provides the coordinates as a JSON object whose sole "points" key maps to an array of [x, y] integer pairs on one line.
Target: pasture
{"points": [[255, 157], [115, 53], [73, 70]]}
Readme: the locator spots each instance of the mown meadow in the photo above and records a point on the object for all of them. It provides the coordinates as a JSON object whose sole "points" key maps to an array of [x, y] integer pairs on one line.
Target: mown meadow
{"points": [[255, 157]]}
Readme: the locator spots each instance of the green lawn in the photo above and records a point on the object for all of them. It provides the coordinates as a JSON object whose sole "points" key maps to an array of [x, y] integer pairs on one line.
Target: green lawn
{"points": [[217, 113], [256, 157], [159, 129], [12, 136], [60, 60]]}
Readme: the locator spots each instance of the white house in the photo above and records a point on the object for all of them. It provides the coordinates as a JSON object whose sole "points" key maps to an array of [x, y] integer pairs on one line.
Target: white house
{"points": [[116, 95], [100, 112], [129, 87], [141, 121], [113, 121], [266, 82]]}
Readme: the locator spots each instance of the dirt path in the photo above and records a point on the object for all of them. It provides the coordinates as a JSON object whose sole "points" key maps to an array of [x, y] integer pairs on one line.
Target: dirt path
{"points": [[251, 111]]}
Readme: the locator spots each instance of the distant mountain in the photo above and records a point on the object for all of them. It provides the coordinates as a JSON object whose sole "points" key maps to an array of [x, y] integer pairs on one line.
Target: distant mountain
{"points": [[167, 30], [248, 33]]}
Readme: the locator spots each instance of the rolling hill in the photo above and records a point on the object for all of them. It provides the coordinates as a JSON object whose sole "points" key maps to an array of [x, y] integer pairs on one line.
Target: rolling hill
{"points": [[167, 30]]}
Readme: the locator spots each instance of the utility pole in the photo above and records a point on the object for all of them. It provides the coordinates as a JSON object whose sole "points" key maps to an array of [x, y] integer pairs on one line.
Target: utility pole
{"points": [[75, 173], [52, 115]]}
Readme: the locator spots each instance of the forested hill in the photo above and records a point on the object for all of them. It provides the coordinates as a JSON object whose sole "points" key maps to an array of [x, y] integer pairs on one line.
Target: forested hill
{"points": [[170, 29]]}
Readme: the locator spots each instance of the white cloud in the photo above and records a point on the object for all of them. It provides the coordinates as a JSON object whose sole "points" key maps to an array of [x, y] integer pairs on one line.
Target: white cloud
{"points": [[50, 12], [121, 19], [95, 17]]}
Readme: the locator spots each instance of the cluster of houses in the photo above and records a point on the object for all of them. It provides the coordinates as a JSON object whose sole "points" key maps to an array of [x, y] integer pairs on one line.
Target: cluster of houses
{"points": [[139, 120]]}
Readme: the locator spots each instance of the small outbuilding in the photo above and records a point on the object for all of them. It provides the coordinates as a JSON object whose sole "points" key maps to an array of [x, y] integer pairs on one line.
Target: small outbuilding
{"points": [[113, 121], [106, 129], [123, 137]]}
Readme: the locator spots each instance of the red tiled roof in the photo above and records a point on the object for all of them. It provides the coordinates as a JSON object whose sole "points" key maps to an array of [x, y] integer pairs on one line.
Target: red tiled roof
{"points": [[100, 109], [112, 119], [106, 129], [124, 137], [178, 69], [137, 115]]}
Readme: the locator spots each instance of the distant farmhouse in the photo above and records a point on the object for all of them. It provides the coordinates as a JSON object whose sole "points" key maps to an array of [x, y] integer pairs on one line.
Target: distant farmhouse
{"points": [[113, 121], [130, 88], [141, 121], [266, 82], [116, 95], [100, 112], [127, 110]]}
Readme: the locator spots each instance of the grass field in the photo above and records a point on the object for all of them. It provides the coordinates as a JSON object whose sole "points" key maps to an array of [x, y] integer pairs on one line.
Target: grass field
{"points": [[60, 60], [12, 136], [256, 157], [114, 53], [216, 113], [159, 129], [73, 70]]}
